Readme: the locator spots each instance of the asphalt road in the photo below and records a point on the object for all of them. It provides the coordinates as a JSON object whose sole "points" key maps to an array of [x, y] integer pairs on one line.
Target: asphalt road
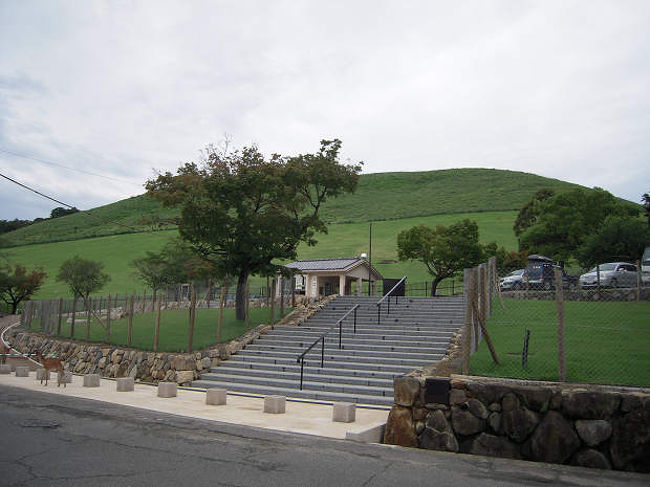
{"points": [[50, 440]]}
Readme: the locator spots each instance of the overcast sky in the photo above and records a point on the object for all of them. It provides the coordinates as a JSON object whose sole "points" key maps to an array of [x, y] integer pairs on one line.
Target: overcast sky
{"points": [[120, 88]]}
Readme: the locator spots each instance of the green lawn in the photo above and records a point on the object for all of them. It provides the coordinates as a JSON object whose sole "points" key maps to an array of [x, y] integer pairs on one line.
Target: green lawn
{"points": [[343, 240], [605, 342], [174, 328]]}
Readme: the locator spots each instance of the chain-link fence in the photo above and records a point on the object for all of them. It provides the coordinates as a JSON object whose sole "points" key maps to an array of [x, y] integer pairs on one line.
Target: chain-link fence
{"points": [[578, 332], [153, 322]]}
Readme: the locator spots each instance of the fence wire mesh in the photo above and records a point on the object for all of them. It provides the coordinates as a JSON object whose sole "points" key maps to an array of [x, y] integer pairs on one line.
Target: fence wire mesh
{"points": [[152, 322], [604, 331]]}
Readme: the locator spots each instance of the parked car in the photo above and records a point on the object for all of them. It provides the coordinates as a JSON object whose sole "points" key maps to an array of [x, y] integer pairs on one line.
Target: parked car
{"points": [[540, 274], [513, 281], [612, 274]]}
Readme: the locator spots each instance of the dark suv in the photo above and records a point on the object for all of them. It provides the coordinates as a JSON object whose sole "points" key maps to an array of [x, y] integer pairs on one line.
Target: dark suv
{"points": [[540, 274]]}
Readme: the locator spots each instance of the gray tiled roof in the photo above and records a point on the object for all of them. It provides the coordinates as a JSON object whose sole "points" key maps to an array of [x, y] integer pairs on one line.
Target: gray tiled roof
{"points": [[324, 264]]}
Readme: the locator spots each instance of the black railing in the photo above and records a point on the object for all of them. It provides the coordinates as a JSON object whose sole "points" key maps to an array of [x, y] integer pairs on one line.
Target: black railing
{"points": [[339, 323], [387, 297]]}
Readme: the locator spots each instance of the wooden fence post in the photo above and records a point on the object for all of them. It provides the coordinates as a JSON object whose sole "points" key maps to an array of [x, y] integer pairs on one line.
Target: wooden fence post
{"points": [[192, 319], [467, 339], [222, 302], [58, 326], [129, 329], [268, 291], [88, 312], [74, 315], [281, 297], [559, 299], [156, 333], [108, 319], [638, 280], [247, 310], [273, 300]]}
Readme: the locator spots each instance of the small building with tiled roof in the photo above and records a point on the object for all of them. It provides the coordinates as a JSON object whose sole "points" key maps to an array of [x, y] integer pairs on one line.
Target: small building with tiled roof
{"points": [[321, 277]]}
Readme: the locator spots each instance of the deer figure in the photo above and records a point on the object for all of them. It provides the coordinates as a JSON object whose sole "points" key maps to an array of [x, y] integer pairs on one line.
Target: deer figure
{"points": [[4, 351], [53, 363]]}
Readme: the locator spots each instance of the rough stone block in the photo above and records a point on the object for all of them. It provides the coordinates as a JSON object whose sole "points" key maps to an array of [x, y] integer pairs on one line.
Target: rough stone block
{"points": [[42, 374], [5, 369], [125, 384], [406, 390], [344, 412], [91, 380], [22, 371], [399, 428], [216, 397], [167, 389], [275, 404]]}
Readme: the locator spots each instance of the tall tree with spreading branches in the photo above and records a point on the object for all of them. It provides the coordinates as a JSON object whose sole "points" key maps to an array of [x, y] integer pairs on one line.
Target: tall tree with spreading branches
{"points": [[444, 250], [82, 276], [241, 212], [17, 284]]}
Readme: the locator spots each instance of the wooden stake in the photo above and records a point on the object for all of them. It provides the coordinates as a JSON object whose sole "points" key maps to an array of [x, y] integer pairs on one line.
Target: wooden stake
{"points": [[222, 302], [74, 312], [559, 299], [108, 319], [273, 301], [156, 332], [88, 308], [281, 297], [247, 311], [58, 326], [129, 329], [192, 318], [268, 291]]}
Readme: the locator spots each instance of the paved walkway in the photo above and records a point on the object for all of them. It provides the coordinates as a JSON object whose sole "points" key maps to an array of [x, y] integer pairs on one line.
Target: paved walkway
{"points": [[300, 417]]}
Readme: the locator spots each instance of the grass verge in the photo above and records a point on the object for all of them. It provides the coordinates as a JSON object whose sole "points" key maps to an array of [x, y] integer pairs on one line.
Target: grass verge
{"points": [[605, 342]]}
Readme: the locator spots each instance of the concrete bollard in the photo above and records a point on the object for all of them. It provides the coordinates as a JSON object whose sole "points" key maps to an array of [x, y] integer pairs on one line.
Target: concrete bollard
{"points": [[275, 404], [22, 371], [42, 374], [167, 389], [5, 369], [216, 397], [125, 384], [91, 380], [344, 412]]}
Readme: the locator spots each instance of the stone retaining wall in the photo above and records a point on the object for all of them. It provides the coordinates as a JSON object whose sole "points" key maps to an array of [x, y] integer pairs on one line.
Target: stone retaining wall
{"points": [[606, 294], [112, 361], [601, 427]]}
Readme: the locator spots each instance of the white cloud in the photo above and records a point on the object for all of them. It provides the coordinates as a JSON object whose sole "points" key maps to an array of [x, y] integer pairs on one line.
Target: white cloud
{"points": [[118, 88]]}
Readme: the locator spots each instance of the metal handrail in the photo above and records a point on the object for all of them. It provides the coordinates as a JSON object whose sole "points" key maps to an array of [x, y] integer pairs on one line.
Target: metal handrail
{"points": [[387, 295], [339, 323]]}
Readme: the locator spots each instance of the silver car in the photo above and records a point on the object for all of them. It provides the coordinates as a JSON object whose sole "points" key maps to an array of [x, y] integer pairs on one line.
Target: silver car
{"points": [[612, 274], [514, 280]]}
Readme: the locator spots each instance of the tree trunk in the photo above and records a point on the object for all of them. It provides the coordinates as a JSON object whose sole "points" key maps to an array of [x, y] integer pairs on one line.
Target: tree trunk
{"points": [[240, 296], [434, 285]]}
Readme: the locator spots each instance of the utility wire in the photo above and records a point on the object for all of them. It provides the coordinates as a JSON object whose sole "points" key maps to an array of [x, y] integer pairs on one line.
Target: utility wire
{"points": [[66, 204], [45, 161]]}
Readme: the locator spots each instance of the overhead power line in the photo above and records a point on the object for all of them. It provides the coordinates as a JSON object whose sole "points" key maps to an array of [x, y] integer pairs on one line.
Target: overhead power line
{"points": [[105, 220], [52, 163]]}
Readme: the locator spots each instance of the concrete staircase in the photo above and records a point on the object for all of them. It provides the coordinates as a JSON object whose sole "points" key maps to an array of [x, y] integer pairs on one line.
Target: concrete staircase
{"points": [[415, 333]]}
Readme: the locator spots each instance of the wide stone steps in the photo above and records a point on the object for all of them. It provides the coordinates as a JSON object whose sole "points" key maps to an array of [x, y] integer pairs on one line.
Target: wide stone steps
{"points": [[416, 360], [311, 335], [417, 332], [314, 371], [318, 395], [355, 344], [331, 368]]}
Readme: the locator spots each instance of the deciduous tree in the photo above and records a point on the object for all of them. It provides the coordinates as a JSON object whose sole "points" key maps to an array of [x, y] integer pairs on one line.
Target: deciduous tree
{"points": [[241, 212], [18, 284], [444, 250], [82, 276], [619, 239]]}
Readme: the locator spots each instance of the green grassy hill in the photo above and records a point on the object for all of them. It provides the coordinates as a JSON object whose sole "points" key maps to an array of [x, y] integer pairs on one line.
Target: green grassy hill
{"points": [[385, 196], [343, 240], [394, 201]]}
